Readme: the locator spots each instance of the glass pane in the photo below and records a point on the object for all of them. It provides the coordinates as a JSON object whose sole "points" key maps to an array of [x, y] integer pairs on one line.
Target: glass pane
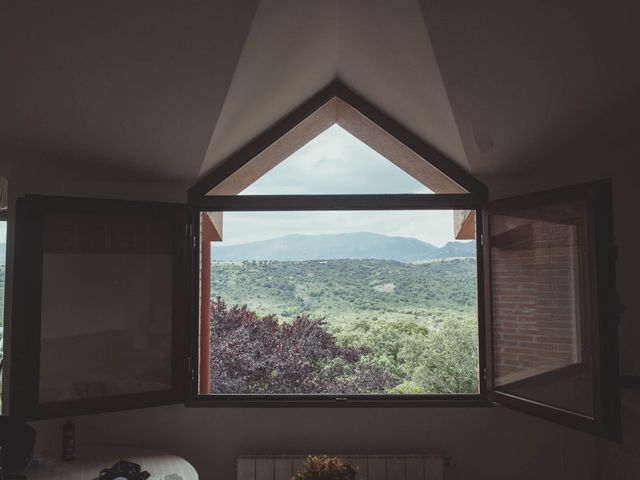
{"points": [[336, 162], [541, 310], [106, 306], [337, 303]]}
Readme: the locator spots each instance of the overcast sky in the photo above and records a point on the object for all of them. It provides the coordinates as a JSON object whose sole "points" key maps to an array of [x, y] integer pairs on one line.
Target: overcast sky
{"points": [[336, 162]]}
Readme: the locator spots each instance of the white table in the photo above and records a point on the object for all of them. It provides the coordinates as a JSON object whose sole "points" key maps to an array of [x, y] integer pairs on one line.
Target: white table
{"points": [[90, 460]]}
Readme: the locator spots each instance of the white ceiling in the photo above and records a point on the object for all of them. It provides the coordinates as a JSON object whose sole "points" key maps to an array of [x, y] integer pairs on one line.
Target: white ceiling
{"points": [[164, 90]]}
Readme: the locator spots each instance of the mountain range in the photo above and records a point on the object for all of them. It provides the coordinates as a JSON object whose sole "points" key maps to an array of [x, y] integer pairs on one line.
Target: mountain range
{"points": [[362, 245]]}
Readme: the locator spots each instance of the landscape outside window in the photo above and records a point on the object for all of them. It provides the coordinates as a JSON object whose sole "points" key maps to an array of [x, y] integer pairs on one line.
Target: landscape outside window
{"points": [[342, 302]]}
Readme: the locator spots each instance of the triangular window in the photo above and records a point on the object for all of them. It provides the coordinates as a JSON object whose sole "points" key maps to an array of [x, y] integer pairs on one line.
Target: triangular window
{"points": [[328, 146], [335, 162]]}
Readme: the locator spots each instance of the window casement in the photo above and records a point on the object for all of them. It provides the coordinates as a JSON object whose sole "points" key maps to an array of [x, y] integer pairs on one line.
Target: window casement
{"points": [[547, 313], [546, 303], [228, 190], [99, 300]]}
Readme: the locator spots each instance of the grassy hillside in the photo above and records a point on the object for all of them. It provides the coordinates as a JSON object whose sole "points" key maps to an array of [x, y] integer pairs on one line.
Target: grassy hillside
{"points": [[347, 290]]}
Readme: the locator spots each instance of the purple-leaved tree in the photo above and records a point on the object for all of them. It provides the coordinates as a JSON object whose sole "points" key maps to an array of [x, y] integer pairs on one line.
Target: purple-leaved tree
{"points": [[261, 355]]}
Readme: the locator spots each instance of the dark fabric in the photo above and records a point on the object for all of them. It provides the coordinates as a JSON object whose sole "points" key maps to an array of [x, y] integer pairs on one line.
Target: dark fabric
{"points": [[124, 469], [17, 440]]}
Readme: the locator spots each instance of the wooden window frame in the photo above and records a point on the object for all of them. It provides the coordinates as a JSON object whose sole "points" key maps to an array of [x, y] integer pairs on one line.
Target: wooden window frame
{"points": [[272, 203], [26, 311], [198, 196], [604, 303], [24, 354], [473, 198]]}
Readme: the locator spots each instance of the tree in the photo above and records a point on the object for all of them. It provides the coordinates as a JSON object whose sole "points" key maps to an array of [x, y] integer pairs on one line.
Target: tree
{"points": [[262, 355], [436, 360]]}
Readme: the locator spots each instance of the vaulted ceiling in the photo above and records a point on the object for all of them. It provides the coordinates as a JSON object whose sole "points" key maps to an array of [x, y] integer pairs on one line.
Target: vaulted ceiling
{"points": [[164, 90]]}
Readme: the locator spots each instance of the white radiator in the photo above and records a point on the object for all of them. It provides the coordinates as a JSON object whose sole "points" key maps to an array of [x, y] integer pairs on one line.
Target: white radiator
{"points": [[370, 467]]}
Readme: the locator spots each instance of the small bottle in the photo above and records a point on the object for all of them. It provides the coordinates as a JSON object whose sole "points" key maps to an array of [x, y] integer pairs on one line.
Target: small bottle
{"points": [[68, 441]]}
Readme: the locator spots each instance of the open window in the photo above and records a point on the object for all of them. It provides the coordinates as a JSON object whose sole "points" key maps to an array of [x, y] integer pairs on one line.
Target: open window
{"points": [[552, 306], [385, 278], [545, 301], [100, 295], [338, 263]]}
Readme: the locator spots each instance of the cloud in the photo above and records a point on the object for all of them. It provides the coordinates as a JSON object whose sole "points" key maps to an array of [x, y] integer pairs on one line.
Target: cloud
{"points": [[335, 162]]}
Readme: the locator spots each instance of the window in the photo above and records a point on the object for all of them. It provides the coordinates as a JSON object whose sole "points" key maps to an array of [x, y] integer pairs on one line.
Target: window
{"points": [[333, 163], [531, 324], [372, 302], [553, 306], [374, 272], [98, 298], [332, 267], [341, 303]]}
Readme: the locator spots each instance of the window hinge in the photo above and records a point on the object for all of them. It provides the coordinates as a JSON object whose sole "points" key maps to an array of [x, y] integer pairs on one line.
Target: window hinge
{"points": [[482, 240], [484, 374], [191, 235]]}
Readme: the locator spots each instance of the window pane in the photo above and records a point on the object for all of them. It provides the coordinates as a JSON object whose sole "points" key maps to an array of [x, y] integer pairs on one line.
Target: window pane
{"points": [[335, 162], [337, 303], [539, 267], [106, 306]]}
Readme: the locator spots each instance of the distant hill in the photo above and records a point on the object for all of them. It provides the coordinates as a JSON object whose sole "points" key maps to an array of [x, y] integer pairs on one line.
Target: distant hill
{"points": [[356, 246], [348, 289], [458, 249]]}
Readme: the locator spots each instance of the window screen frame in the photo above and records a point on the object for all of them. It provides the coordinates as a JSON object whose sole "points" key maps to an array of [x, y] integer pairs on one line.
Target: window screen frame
{"points": [[605, 314], [271, 203], [24, 358]]}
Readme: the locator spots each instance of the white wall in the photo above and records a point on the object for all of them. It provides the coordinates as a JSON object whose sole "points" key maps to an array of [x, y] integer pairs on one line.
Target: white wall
{"points": [[491, 443]]}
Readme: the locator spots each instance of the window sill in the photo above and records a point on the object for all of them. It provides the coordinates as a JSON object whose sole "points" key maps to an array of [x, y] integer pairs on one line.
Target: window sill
{"points": [[330, 401]]}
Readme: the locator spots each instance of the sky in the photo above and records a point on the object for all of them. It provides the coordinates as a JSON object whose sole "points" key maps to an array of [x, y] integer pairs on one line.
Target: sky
{"points": [[335, 162]]}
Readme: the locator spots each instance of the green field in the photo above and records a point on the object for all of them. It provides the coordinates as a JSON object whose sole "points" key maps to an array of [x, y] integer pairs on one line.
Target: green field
{"points": [[347, 290]]}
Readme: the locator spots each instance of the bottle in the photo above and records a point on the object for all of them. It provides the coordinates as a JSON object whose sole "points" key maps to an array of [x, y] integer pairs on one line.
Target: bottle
{"points": [[68, 441]]}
